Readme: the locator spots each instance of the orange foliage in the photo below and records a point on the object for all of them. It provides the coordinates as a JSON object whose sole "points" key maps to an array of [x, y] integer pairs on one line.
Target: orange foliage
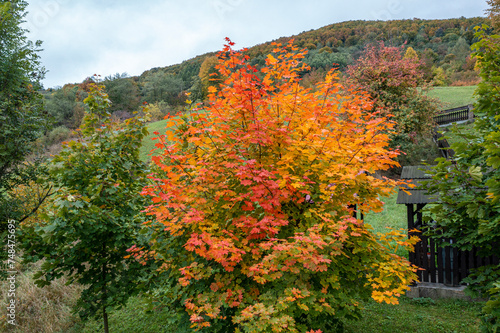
{"points": [[258, 188]]}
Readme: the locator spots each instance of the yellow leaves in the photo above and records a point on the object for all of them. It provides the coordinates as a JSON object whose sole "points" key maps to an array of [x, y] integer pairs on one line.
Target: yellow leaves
{"points": [[303, 306], [271, 60], [387, 297]]}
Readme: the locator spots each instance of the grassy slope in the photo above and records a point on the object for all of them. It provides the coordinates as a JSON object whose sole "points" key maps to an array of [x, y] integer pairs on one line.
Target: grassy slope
{"points": [[147, 143], [452, 97]]}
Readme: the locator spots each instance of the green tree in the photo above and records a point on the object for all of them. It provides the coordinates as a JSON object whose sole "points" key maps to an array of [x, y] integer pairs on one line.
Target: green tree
{"points": [[123, 92], [22, 116], [94, 218], [65, 105], [468, 186], [165, 87], [461, 50]]}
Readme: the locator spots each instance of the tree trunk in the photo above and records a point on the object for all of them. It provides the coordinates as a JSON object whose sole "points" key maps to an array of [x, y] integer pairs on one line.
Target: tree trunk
{"points": [[105, 318], [104, 293]]}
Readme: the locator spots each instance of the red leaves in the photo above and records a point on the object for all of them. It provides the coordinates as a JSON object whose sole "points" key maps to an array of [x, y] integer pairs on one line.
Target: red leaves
{"points": [[219, 249]]}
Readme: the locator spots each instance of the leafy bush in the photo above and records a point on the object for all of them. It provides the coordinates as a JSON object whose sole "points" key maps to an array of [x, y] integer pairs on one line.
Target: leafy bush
{"points": [[468, 186], [394, 83], [57, 135], [253, 200], [95, 215]]}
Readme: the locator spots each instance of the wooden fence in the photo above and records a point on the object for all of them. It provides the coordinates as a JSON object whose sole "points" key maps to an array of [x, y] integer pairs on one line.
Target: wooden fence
{"points": [[438, 260], [445, 264], [442, 144], [461, 113], [449, 116]]}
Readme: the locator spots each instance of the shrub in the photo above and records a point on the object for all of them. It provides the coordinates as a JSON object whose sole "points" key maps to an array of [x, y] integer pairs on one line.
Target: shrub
{"points": [[57, 135], [253, 199], [393, 83]]}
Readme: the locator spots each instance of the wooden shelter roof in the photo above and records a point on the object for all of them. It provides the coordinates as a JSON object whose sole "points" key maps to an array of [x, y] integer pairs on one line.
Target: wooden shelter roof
{"points": [[414, 174]]}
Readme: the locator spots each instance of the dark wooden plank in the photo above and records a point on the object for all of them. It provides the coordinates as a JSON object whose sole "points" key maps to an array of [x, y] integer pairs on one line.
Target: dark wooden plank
{"points": [[410, 217], [425, 259], [440, 264], [487, 261], [478, 262], [463, 265], [471, 260], [447, 266], [432, 263], [418, 259], [455, 265]]}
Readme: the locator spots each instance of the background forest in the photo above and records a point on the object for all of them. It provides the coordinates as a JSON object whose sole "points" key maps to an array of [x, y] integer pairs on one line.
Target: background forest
{"points": [[443, 45]]}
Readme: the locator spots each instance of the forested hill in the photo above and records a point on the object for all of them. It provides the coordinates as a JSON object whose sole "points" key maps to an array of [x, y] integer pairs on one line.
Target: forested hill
{"points": [[444, 45]]}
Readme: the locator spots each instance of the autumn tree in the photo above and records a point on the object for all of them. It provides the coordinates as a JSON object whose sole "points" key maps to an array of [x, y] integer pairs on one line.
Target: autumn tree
{"points": [[393, 84], [494, 13], [95, 216], [254, 198], [209, 76], [411, 54]]}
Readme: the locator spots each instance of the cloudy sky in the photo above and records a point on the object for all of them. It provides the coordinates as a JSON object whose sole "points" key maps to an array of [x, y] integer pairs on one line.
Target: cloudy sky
{"points": [[86, 37]]}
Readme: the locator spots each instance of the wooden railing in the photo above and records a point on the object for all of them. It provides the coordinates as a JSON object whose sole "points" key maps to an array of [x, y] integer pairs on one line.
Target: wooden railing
{"points": [[442, 144], [449, 116]]}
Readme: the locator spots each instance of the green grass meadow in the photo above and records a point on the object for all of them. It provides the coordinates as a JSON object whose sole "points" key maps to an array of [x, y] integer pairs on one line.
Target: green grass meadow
{"points": [[453, 97], [420, 315], [148, 143]]}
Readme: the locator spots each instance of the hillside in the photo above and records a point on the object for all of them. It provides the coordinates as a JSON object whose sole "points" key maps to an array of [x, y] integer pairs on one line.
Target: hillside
{"points": [[443, 45]]}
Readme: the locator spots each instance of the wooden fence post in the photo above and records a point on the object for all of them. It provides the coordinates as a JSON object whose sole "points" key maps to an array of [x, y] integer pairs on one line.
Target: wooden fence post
{"points": [[471, 113]]}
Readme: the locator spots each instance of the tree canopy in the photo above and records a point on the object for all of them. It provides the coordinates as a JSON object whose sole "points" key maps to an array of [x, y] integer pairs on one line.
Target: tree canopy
{"points": [[22, 116]]}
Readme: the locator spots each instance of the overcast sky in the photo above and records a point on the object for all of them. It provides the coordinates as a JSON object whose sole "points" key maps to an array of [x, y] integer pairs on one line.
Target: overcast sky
{"points": [[86, 37]]}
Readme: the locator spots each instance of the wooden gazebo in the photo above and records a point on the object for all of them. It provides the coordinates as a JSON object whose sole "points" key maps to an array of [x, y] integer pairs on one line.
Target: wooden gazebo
{"points": [[439, 263]]}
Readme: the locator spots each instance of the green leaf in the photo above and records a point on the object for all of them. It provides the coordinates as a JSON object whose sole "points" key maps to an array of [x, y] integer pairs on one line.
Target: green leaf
{"points": [[475, 173]]}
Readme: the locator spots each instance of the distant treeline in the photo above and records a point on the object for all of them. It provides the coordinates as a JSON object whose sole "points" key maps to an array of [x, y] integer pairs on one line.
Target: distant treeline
{"points": [[443, 45]]}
